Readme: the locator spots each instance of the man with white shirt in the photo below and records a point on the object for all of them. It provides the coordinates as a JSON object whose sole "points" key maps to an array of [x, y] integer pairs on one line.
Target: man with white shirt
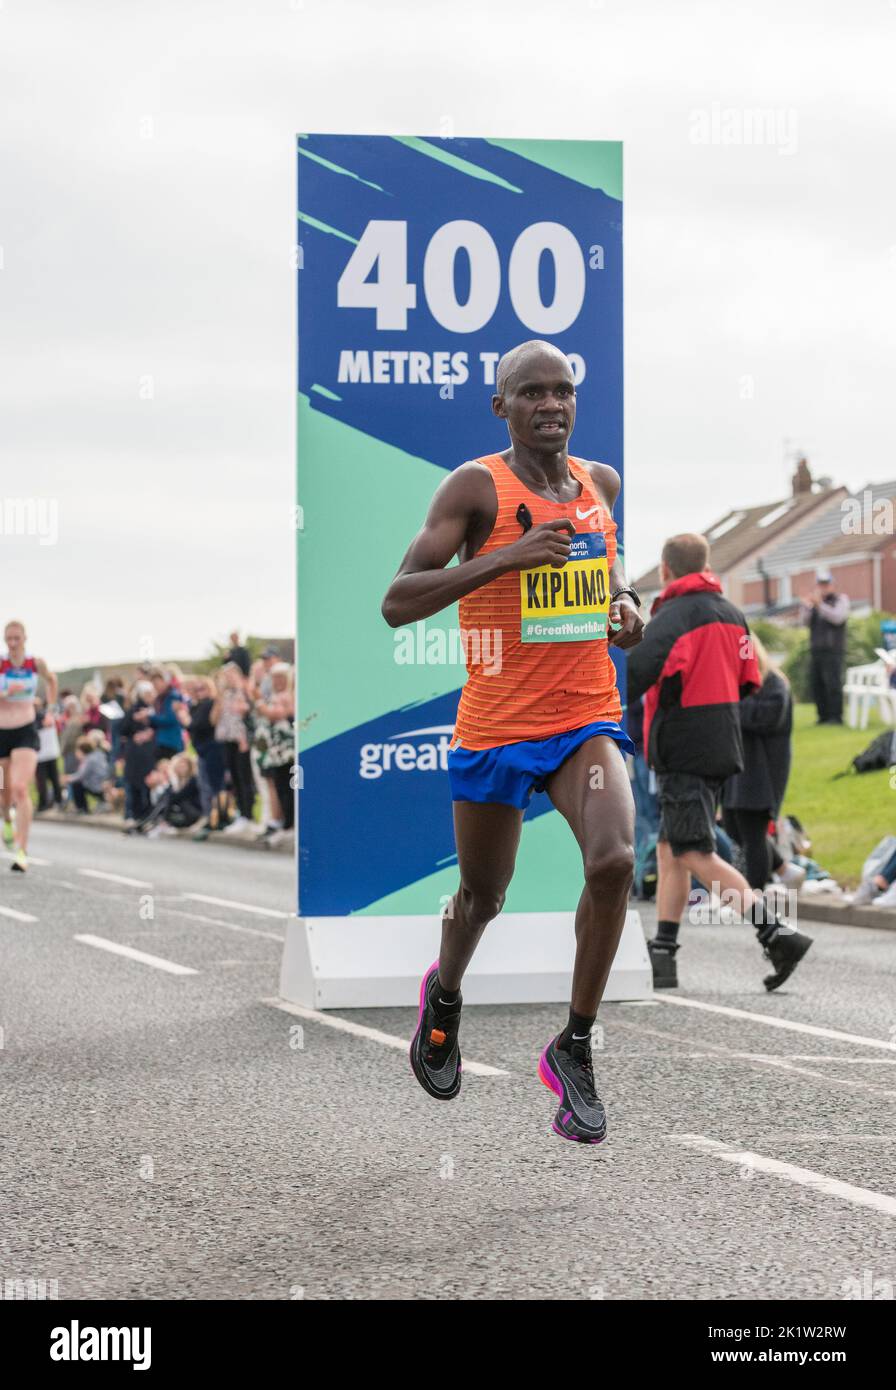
{"points": [[826, 612]]}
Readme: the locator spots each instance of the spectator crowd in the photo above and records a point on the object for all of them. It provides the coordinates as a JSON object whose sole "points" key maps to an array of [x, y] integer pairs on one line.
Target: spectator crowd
{"points": [[174, 751]]}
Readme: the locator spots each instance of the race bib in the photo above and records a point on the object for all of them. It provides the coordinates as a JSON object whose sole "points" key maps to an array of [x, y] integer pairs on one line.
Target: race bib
{"points": [[18, 682], [569, 604]]}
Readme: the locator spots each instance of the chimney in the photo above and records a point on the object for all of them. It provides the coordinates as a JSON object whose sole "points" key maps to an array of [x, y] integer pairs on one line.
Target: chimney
{"points": [[802, 479]]}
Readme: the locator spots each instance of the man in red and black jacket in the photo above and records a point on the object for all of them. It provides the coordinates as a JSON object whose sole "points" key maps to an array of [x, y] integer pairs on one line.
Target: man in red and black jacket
{"points": [[693, 666]]}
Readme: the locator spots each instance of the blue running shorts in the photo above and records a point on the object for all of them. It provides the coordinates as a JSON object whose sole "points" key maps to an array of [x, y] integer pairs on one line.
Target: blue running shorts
{"points": [[511, 773]]}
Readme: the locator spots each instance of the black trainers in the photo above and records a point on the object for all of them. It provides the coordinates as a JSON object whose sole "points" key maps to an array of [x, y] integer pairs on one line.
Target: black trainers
{"points": [[570, 1076], [434, 1051], [662, 960], [785, 948]]}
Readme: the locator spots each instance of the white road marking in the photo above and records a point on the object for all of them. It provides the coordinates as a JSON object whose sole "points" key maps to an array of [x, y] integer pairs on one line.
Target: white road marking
{"points": [[819, 1057], [231, 926], [638, 1003], [17, 916], [763, 1057], [243, 907], [164, 905], [829, 1187], [790, 1024], [759, 1060], [372, 1034], [104, 945], [850, 1082], [116, 878]]}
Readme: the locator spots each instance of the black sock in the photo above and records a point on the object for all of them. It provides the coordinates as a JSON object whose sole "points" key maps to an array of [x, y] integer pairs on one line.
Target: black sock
{"points": [[444, 1001], [667, 933], [580, 1026]]}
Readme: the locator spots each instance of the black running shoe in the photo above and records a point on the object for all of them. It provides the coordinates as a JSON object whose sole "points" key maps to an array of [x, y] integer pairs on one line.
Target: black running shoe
{"points": [[570, 1076], [662, 960], [785, 948], [434, 1052]]}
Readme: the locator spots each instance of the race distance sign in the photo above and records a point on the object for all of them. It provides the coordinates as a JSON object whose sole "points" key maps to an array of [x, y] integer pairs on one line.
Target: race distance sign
{"points": [[421, 260]]}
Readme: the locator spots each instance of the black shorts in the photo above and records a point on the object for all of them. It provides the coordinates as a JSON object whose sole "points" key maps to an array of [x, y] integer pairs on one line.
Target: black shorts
{"points": [[688, 811], [23, 737]]}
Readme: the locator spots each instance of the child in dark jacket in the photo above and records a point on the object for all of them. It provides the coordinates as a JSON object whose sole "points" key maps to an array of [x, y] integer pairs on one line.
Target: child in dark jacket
{"points": [[92, 775]]}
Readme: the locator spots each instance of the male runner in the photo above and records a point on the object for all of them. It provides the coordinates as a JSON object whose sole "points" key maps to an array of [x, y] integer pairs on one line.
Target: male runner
{"points": [[19, 739], [536, 544]]}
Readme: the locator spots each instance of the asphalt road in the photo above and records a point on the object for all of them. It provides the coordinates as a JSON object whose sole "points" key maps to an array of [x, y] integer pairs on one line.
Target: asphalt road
{"points": [[163, 1137]]}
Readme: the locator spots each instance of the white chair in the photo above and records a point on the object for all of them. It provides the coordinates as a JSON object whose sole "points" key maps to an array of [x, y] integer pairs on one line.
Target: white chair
{"points": [[864, 686]]}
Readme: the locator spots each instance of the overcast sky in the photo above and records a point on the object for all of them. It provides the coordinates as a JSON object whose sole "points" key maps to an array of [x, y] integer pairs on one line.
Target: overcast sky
{"points": [[146, 216]]}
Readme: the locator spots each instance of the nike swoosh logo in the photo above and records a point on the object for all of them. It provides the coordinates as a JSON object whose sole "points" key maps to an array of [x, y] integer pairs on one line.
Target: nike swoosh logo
{"points": [[583, 516]]}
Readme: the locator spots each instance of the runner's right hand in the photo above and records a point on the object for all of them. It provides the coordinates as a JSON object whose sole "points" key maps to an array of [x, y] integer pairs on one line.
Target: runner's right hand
{"points": [[547, 544]]}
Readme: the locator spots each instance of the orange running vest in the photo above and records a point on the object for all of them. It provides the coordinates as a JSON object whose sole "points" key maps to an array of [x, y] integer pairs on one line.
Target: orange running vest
{"points": [[535, 640]]}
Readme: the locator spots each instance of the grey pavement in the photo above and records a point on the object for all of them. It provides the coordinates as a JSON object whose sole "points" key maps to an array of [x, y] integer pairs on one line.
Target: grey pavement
{"points": [[164, 1137]]}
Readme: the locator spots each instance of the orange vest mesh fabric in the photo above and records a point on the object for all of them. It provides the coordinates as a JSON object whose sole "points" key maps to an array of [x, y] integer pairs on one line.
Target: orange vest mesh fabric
{"points": [[536, 689]]}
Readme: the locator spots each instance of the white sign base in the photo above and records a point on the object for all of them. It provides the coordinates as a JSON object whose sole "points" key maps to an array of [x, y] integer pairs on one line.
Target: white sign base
{"points": [[523, 958]]}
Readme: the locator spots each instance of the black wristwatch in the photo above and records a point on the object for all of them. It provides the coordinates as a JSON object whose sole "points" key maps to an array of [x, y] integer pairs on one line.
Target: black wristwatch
{"points": [[632, 592]]}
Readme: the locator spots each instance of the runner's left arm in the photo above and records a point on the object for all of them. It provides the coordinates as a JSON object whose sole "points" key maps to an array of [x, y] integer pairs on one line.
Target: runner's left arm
{"points": [[50, 678], [624, 611]]}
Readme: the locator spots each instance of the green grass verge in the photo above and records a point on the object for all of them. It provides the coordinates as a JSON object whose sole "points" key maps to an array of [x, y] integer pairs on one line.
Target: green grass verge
{"points": [[844, 819]]}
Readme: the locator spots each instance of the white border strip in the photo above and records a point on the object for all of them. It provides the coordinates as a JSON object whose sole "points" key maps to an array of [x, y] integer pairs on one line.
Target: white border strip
{"points": [[17, 916], [805, 1177], [372, 1034], [243, 907], [115, 878], [772, 1022], [231, 926], [141, 956]]}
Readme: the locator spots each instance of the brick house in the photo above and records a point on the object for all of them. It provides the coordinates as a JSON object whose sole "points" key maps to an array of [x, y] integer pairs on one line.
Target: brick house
{"points": [[742, 538], [851, 536]]}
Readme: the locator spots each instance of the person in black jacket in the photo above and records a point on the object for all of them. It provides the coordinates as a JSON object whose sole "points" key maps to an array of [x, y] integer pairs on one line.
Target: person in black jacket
{"points": [[694, 665], [210, 755], [138, 741], [751, 798], [239, 654], [826, 613]]}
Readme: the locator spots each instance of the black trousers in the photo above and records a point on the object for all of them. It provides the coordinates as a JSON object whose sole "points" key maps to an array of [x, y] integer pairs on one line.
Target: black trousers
{"points": [[239, 765], [139, 802], [80, 794], [750, 830], [281, 778], [827, 684], [47, 777]]}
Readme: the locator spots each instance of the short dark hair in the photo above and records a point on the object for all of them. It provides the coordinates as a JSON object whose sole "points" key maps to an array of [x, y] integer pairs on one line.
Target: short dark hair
{"points": [[686, 554]]}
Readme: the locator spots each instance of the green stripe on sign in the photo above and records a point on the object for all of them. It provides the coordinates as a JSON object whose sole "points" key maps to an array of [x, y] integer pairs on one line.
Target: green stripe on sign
{"points": [[462, 166], [325, 227], [338, 169], [595, 163]]}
